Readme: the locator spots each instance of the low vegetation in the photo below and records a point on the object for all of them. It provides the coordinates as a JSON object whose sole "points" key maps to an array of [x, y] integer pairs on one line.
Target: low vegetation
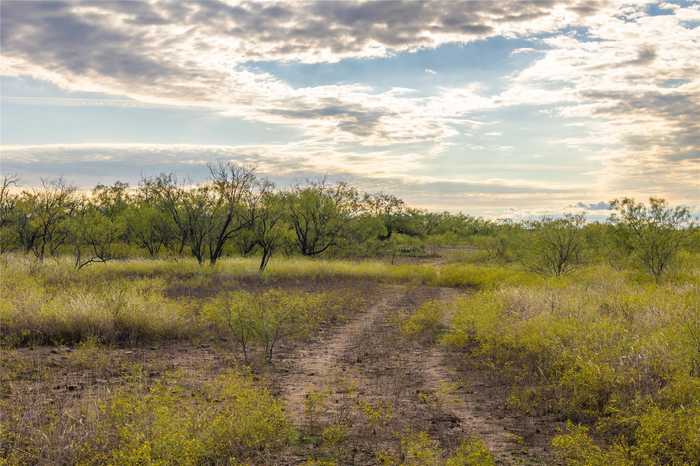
{"points": [[274, 316], [603, 348], [227, 420], [419, 449], [103, 296]]}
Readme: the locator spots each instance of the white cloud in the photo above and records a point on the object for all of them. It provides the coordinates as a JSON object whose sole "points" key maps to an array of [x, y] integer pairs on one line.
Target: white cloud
{"points": [[609, 76], [613, 81], [88, 164], [190, 54]]}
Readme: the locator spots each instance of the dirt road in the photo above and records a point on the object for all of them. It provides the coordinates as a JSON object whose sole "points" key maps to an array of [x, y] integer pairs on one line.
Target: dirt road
{"points": [[366, 375]]}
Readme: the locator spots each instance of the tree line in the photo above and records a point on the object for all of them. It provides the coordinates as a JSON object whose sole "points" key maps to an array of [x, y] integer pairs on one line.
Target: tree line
{"points": [[234, 212], [237, 212]]}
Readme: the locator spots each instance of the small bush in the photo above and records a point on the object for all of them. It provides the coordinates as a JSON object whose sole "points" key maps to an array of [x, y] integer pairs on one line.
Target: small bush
{"points": [[419, 449], [598, 348], [226, 421], [426, 322], [471, 452], [123, 311], [268, 318]]}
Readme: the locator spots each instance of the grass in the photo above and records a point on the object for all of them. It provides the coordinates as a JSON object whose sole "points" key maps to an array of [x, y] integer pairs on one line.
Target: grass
{"points": [[119, 311], [129, 301], [174, 421], [60, 271], [606, 348]]}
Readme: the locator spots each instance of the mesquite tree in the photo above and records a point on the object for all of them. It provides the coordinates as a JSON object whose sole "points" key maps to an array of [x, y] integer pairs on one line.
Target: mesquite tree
{"points": [[93, 235], [43, 215], [319, 213], [8, 211], [270, 231], [388, 209], [165, 194], [237, 193], [654, 233], [557, 243]]}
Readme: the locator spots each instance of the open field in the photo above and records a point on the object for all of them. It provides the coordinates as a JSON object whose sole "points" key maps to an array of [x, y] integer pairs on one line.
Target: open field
{"points": [[349, 233], [435, 362], [323, 325]]}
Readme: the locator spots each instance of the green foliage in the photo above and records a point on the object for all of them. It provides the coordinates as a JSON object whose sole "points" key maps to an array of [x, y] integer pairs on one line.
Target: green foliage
{"points": [[319, 215], [90, 354], [94, 235], [149, 227], [266, 318], [471, 452], [376, 414], [426, 322], [556, 245], [419, 449], [663, 436], [576, 448], [498, 248], [334, 435], [313, 462], [235, 211], [269, 230], [8, 213], [600, 348], [42, 215], [314, 405], [226, 421], [483, 276], [34, 312], [654, 234]]}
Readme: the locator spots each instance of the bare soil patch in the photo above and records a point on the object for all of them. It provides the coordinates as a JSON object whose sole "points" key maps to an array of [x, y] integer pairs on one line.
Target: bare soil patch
{"points": [[368, 363], [361, 374]]}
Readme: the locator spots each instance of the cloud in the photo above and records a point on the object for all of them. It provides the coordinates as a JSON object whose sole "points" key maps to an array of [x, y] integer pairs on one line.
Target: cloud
{"points": [[602, 205], [523, 50], [645, 56], [614, 80], [89, 164], [190, 54], [606, 66], [430, 71]]}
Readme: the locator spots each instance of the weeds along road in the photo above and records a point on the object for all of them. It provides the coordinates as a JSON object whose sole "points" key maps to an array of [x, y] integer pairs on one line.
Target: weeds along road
{"points": [[366, 376]]}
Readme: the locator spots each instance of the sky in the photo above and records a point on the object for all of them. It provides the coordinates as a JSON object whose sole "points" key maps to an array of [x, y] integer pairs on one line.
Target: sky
{"points": [[491, 108]]}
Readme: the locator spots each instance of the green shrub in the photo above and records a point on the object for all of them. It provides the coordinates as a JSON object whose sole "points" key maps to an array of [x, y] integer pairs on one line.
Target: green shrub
{"points": [[471, 452], [270, 317], [662, 437], [668, 436], [426, 322], [420, 449], [225, 421], [576, 448], [599, 347]]}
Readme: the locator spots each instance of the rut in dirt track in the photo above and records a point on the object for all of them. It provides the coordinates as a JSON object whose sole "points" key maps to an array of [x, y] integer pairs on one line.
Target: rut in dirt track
{"points": [[387, 370], [319, 364]]}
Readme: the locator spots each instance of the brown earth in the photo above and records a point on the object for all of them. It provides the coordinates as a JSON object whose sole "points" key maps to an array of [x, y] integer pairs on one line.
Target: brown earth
{"points": [[363, 375], [368, 361]]}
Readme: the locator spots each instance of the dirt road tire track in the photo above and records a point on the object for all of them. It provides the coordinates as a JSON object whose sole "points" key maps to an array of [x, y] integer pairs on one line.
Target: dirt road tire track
{"points": [[317, 364], [390, 370]]}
